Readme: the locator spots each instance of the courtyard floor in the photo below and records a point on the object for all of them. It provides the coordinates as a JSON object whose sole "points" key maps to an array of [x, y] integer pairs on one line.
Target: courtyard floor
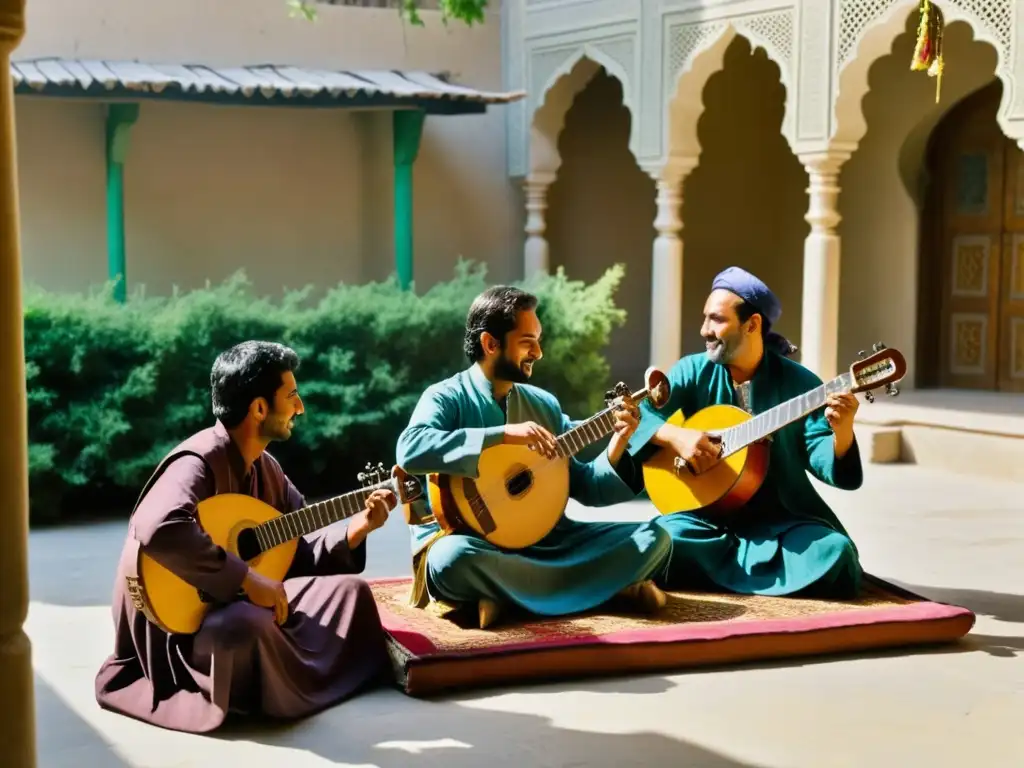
{"points": [[953, 538]]}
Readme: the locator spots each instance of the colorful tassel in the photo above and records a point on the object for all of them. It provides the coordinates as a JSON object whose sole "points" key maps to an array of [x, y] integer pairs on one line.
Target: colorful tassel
{"points": [[928, 51]]}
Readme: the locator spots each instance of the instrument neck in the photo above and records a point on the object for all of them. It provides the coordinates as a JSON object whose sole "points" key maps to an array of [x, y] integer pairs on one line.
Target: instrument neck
{"points": [[301, 522], [595, 428], [774, 419]]}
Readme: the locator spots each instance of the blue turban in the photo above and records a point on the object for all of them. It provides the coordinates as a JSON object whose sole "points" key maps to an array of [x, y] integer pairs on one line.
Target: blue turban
{"points": [[758, 295]]}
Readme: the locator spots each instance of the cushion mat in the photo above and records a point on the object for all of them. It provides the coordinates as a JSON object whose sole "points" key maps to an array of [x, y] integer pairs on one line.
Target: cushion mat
{"points": [[441, 649]]}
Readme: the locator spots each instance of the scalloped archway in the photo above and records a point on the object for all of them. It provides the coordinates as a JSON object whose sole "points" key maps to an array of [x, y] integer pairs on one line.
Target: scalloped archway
{"points": [[563, 74], [559, 90], [883, 280], [697, 52], [868, 32]]}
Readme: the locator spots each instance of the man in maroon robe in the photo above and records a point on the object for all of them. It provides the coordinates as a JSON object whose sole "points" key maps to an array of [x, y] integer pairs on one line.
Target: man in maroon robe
{"points": [[290, 649]]}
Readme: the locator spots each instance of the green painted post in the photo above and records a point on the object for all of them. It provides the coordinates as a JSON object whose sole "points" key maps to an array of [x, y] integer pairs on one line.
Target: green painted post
{"points": [[120, 118], [407, 128]]}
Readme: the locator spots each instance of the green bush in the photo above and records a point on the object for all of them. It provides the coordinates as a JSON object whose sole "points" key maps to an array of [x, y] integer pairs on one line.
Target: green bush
{"points": [[112, 388]]}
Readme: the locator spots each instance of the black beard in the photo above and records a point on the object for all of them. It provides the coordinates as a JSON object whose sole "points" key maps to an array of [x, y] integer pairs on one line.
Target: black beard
{"points": [[506, 370]]}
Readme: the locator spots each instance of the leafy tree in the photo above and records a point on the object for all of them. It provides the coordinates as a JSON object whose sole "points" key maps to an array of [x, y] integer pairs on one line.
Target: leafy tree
{"points": [[466, 11]]}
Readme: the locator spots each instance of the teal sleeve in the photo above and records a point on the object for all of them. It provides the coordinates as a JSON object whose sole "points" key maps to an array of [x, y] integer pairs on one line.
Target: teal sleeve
{"points": [[681, 378], [433, 441], [846, 473], [596, 483]]}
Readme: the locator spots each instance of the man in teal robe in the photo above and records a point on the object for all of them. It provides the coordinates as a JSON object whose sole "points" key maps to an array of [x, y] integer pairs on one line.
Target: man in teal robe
{"points": [[785, 540], [578, 565]]}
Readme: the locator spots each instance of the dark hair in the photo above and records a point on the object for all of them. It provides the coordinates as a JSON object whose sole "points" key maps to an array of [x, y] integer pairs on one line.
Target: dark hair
{"points": [[245, 372], [495, 311], [745, 310]]}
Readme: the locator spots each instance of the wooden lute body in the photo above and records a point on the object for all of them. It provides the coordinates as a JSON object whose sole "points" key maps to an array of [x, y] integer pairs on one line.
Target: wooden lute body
{"points": [[743, 464], [254, 531], [519, 494]]}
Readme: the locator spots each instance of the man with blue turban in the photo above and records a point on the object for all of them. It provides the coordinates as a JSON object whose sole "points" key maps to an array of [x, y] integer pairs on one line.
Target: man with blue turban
{"points": [[785, 540]]}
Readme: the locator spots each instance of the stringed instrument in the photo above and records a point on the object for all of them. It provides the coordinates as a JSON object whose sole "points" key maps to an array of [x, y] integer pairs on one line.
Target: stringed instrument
{"points": [[743, 462], [520, 494], [252, 529]]}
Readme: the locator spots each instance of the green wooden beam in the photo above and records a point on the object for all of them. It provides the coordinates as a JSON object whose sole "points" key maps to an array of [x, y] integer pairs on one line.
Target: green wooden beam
{"points": [[120, 118], [407, 129]]}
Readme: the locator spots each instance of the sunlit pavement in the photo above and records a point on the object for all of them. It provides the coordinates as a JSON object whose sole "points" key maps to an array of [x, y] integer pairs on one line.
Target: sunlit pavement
{"points": [[952, 538]]}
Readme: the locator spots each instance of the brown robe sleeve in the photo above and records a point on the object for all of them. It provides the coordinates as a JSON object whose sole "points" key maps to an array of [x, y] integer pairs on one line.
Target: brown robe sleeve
{"points": [[164, 525], [325, 552]]}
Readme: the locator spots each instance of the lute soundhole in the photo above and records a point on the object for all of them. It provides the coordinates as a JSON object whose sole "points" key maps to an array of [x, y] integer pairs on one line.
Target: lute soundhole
{"points": [[519, 482], [247, 546], [242, 542]]}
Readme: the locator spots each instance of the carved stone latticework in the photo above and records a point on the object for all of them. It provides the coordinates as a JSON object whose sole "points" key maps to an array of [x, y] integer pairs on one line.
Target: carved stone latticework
{"points": [[685, 41], [543, 64], [990, 19], [773, 30]]}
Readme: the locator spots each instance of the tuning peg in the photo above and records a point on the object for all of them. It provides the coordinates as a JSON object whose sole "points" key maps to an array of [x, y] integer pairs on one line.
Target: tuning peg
{"points": [[891, 390], [878, 346], [861, 355], [869, 396], [361, 477]]}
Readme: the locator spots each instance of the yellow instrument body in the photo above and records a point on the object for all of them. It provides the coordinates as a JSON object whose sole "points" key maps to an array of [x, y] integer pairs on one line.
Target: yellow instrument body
{"points": [[173, 604], [731, 482], [728, 484], [519, 495], [517, 498]]}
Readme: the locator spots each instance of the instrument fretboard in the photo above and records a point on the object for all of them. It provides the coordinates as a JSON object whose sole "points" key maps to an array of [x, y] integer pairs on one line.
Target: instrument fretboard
{"points": [[294, 525], [774, 419], [585, 433]]}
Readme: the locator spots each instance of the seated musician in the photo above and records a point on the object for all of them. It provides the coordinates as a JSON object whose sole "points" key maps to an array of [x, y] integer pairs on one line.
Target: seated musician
{"points": [[291, 648], [786, 540], [578, 565]]}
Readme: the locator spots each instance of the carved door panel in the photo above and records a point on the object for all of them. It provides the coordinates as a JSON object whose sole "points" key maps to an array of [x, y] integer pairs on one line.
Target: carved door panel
{"points": [[972, 170], [1011, 288]]}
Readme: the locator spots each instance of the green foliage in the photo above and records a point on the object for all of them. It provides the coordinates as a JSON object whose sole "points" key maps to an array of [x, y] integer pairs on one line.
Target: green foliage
{"points": [[469, 12], [112, 388]]}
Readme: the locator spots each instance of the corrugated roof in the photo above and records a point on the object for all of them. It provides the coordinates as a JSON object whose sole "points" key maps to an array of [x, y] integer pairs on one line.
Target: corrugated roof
{"points": [[274, 83]]}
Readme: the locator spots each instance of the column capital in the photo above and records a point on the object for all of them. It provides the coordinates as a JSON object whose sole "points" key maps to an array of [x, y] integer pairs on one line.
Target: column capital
{"points": [[539, 180], [12, 23], [826, 162]]}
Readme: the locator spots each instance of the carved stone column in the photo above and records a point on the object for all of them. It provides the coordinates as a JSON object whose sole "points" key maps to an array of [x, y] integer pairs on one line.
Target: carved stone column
{"points": [[17, 706], [819, 332], [667, 265], [536, 257]]}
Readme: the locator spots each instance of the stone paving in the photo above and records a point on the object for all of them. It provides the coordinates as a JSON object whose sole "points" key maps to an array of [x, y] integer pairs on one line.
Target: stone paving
{"points": [[953, 538]]}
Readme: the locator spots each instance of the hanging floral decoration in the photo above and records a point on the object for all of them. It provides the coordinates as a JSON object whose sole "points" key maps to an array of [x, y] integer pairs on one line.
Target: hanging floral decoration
{"points": [[928, 51]]}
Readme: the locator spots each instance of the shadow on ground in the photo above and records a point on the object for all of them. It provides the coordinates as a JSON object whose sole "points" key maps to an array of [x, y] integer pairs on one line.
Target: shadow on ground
{"points": [[450, 735], [63, 739], [999, 605]]}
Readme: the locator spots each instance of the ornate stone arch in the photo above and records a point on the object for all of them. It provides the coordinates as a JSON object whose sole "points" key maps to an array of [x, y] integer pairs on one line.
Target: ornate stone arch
{"points": [[867, 31], [557, 75], [695, 51]]}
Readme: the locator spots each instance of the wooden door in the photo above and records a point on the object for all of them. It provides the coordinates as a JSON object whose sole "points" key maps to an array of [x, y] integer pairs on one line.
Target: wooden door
{"points": [[1010, 376], [971, 160]]}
